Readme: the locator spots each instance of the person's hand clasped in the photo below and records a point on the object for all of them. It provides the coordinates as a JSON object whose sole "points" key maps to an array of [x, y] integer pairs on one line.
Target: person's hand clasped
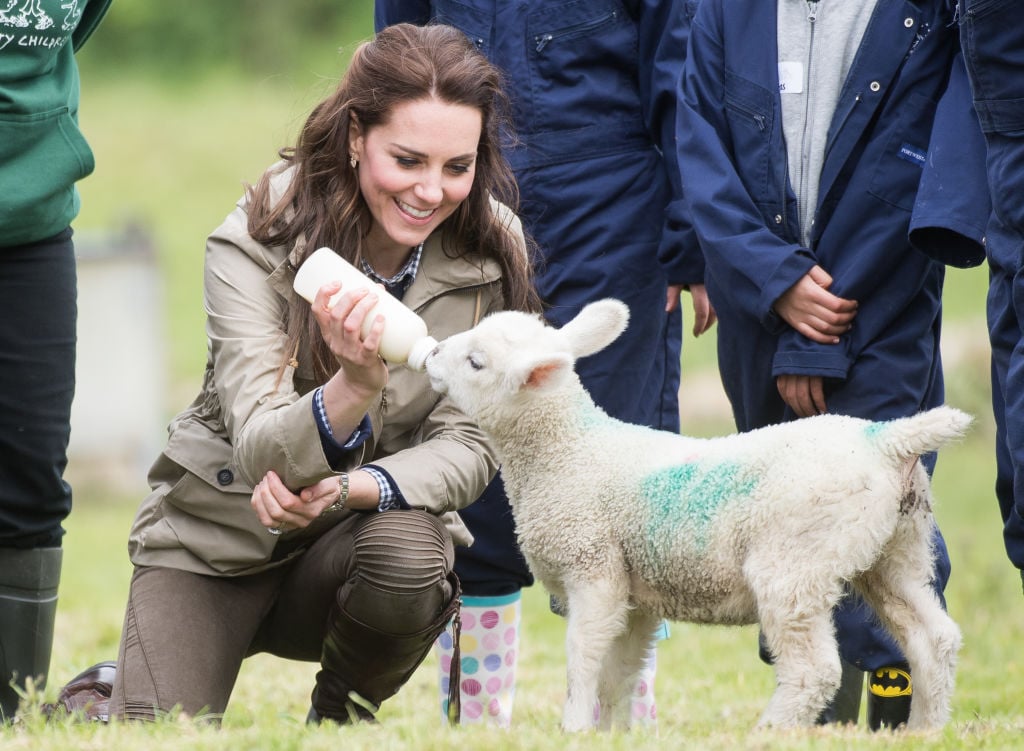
{"points": [[815, 312], [279, 509], [804, 394], [341, 327]]}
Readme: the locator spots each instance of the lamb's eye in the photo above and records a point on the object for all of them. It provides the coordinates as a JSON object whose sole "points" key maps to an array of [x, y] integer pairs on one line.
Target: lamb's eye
{"points": [[475, 363]]}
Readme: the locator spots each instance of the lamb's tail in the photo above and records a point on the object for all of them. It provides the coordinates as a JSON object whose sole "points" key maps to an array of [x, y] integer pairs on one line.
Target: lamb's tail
{"points": [[909, 437]]}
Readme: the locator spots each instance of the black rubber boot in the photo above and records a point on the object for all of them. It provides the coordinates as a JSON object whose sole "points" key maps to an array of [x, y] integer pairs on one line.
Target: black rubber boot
{"points": [[361, 666], [889, 693], [28, 607], [844, 709]]}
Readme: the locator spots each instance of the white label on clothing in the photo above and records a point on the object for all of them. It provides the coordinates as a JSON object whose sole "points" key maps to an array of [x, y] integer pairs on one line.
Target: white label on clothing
{"points": [[791, 78]]}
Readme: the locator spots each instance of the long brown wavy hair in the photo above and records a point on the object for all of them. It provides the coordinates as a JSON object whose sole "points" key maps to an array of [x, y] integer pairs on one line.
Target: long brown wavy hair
{"points": [[323, 206]]}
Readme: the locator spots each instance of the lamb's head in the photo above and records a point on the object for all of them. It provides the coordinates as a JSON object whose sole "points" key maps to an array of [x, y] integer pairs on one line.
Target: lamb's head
{"points": [[509, 357]]}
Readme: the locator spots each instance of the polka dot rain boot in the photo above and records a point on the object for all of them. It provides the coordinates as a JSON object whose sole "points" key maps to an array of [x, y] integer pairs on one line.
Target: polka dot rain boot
{"points": [[490, 646]]}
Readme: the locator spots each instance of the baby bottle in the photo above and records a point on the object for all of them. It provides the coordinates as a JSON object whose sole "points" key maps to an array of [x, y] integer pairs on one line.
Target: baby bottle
{"points": [[404, 338]]}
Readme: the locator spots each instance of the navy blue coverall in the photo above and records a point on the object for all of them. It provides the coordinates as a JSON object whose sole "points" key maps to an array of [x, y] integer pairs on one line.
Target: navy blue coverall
{"points": [[884, 142], [992, 34], [592, 85]]}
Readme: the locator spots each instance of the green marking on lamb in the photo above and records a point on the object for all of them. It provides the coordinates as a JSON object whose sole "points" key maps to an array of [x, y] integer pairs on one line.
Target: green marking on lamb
{"points": [[688, 497], [871, 430], [592, 418]]}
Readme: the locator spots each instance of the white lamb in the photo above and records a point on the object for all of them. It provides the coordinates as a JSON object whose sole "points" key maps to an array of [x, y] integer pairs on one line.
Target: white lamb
{"points": [[628, 525]]}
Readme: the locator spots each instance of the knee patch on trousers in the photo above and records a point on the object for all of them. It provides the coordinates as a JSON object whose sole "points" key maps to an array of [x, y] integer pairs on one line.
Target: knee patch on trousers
{"points": [[403, 561]]}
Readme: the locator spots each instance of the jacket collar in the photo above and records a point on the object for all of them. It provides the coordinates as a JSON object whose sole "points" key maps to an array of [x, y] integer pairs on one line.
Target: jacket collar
{"points": [[437, 275]]}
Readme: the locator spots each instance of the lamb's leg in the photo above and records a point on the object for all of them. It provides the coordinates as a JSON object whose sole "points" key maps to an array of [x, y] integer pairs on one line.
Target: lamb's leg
{"points": [[807, 666], [623, 666], [900, 591], [597, 616], [795, 599]]}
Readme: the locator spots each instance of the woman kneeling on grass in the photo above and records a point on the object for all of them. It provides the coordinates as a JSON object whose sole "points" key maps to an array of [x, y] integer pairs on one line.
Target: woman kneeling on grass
{"points": [[304, 504]]}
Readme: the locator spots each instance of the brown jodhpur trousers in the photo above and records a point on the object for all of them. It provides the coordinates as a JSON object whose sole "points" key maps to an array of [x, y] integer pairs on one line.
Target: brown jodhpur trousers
{"points": [[366, 600]]}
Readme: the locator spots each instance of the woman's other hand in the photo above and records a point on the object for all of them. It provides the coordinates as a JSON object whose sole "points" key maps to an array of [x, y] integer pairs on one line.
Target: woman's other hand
{"points": [[279, 509]]}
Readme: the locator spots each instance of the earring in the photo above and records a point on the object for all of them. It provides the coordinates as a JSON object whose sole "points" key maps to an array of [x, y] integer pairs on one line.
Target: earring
{"points": [[353, 161]]}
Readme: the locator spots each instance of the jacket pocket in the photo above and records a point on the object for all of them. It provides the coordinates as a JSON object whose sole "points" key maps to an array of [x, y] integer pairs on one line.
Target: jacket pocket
{"points": [[897, 171], [749, 112], [44, 155], [582, 65], [989, 32], [218, 528], [978, 9], [474, 23]]}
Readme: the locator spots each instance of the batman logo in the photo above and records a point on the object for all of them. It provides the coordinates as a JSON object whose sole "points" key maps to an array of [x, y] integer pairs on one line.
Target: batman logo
{"points": [[888, 682]]}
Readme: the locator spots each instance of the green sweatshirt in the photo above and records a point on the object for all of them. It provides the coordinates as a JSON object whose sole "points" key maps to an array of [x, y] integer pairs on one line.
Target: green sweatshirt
{"points": [[42, 151]]}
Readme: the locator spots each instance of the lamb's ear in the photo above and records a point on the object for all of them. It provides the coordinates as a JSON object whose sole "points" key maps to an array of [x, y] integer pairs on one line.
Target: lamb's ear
{"points": [[543, 372], [595, 327]]}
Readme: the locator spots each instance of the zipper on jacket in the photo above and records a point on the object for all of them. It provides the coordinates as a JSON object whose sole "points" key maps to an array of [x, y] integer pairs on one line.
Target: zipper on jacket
{"points": [[542, 40], [759, 119], [978, 9], [801, 187]]}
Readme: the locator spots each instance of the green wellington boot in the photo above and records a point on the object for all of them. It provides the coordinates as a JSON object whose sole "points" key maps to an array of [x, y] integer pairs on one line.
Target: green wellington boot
{"points": [[28, 607]]}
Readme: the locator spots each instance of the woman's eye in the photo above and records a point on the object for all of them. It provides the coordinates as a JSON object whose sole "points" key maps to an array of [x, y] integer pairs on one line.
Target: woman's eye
{"points": [[406, 161], [458, 169]]}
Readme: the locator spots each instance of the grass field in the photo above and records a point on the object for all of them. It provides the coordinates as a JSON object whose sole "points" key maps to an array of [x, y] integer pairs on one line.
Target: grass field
{"points": [[174, 160]]}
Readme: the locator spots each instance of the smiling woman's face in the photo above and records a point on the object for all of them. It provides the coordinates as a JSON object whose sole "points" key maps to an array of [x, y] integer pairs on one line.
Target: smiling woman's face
{"points": [[415, 170]]}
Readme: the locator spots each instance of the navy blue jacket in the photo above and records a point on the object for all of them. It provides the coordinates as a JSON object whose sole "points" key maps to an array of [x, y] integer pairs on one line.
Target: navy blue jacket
{"points": [[902, 148], [897, 127], [993, 40], [592, 84]]}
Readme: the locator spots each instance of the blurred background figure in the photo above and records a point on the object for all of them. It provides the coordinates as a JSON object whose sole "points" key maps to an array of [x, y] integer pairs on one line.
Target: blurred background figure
{"points": [[42, 155], [992, 34]]}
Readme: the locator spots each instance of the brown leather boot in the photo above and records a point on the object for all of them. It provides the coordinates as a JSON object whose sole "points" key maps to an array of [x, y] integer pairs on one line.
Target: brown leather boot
{"points": [[362, 666], [87, 695]]}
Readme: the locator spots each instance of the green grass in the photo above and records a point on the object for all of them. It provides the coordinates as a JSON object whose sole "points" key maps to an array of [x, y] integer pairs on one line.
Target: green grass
{"points": [[174, 159], [711, 686]]}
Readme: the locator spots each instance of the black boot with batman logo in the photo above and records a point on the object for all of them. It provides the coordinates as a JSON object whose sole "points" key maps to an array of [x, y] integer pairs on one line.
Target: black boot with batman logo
{"points": [[889, 694]]}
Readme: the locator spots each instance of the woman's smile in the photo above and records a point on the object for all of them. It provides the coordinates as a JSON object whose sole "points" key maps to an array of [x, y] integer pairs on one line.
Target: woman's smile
{"points": [[414, 212]]}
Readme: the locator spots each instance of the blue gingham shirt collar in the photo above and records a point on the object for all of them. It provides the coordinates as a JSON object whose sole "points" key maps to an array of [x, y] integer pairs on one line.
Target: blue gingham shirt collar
{"points": [[399, 283]]}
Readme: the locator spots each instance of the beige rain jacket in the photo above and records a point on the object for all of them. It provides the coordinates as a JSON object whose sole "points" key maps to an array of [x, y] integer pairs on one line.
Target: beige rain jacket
{"points": [[198, 517]]}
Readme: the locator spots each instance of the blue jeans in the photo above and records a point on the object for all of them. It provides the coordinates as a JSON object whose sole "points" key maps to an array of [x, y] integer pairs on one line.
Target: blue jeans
{"points": [[992, 36], [38, 315]]}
